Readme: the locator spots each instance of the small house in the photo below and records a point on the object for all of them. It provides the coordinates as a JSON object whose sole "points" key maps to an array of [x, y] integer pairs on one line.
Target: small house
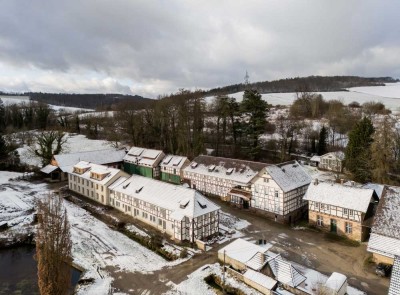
{"points": [[142, 161], [171, 168], [332, 161]]}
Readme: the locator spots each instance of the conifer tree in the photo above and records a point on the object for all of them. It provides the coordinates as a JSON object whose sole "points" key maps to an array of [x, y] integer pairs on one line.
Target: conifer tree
{"points": [[357, 154], [323, 137]]}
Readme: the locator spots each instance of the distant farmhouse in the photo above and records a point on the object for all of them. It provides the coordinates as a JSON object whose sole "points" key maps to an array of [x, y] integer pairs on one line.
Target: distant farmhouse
{"points": [[62, 164], [342, 209], [183, 213], [142, 161], [331, 161]]}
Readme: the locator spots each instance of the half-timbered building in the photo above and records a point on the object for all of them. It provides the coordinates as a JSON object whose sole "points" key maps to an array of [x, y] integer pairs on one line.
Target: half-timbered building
{"points": [[92, 180], [171, 168], [384, 242], [345, 210], [182, 213], [278, 192], [142, 161], [228, 178]]}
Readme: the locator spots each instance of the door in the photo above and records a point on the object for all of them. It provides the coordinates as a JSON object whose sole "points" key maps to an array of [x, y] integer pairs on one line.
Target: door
{"points": [[333, 226], [245, 204]]}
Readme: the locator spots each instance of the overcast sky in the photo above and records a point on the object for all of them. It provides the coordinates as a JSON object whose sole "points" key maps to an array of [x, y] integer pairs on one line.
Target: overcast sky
{"points": [[156, 47]]}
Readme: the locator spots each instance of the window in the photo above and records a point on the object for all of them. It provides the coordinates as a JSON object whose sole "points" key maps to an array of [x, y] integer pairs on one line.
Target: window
{"points": [[351, 212], [326, 207], [348, 228], [316, 205], [345, 211], [276, 194], [320, 220]]}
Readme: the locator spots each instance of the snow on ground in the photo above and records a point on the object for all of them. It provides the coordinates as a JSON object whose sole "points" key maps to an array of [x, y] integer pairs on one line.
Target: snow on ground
{"points": [[75, 143], [359, 94], [69, 109], [195, 284], [9, 100], [108, 114], [315, 173]]}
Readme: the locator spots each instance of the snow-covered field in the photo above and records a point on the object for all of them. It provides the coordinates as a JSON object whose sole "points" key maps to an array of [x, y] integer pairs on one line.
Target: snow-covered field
{"points": [[75, 143], [389, 95]]}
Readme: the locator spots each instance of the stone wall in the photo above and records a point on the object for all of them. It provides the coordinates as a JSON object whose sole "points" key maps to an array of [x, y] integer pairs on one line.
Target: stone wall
{"points": [[357, 229]]}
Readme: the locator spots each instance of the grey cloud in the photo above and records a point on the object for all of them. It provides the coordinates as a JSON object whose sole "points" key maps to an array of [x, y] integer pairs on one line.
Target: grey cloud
{"points": [[160, 46]]}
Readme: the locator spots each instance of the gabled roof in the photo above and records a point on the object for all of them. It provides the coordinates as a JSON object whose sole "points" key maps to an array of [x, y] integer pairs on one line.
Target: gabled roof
{"points": [[289, 175], [385, 236], [144, 157], [260, 279], [107, 156], [315, 159], [183, 202], [48, 169], [239, 171], [336, 281], [378, 188], [285, 272], [173, 161], [335, 194], [245, 252], [336, 155], [394, 287], [100, 169]]}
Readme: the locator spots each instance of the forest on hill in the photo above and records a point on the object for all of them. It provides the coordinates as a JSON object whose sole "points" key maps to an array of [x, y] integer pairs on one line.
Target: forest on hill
{"points": [[89, 101], [311, 83]]}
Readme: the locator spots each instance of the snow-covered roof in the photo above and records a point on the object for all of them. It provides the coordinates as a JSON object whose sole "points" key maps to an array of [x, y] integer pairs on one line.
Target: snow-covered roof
{"points": [[107, 156], [99, 169], [335, 194], [315, 159], [183, 202], [378, 188], [173, 161], [383, 245], [394, 287], [336, 281], [260, 279], [334, 155], [289, 175], [285, 272], [239, 171], [385, 236], [144, 157], [387, 218], [242, 250], [48, 169]]}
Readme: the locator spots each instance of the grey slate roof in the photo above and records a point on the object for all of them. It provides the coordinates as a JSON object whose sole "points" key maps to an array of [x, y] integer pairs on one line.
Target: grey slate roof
{"points": [[385, 236], [101, 157], [285, 272], [289, 175], [394, 287]]}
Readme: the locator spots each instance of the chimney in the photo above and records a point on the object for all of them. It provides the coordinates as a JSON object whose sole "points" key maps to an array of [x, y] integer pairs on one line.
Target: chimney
{"points": [[316, 181]]}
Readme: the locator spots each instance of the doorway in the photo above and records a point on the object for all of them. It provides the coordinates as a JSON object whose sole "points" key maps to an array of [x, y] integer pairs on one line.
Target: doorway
{"points": [[333, 226]]}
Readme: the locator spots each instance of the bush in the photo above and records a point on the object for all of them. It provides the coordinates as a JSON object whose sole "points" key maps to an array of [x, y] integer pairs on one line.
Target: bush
{"points": [[184, 253]]}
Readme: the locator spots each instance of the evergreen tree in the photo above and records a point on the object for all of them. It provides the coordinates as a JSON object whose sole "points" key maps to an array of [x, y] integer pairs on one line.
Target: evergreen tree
{"points": [[254, 110], [357, 154], [382, 150], [3, 148], [323, 137]]}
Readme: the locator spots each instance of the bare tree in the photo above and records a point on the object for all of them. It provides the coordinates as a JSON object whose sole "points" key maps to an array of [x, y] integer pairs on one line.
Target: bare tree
{"points": [[49, 143], [53, 247]]}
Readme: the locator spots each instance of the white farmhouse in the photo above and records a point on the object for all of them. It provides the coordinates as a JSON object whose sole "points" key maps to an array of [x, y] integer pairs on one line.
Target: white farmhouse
{"points": [[182, 213], [92, 180], [227, 178], [332, 161], [278, 192]]}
